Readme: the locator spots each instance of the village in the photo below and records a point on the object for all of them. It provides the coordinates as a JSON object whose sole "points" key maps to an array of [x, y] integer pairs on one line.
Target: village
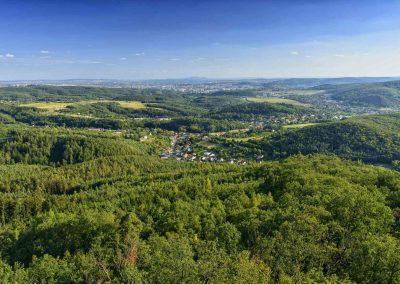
{"points": [[181, 149]]}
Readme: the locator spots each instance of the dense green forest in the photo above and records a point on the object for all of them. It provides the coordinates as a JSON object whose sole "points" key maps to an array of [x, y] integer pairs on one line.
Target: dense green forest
{"points": [[86, 198], [88, 107], [372, 139], [63, 147], [126, 220], [251, 111]]}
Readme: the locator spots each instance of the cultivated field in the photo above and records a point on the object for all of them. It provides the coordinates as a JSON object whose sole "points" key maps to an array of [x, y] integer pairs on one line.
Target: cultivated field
{"points": [[275, 101], [300, 125], [49, 106], [56, 106]]}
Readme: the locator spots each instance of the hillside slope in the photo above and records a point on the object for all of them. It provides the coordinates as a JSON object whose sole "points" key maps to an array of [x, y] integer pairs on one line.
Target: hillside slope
{"points": [[386, 94], [373, 139], [132, 220]]}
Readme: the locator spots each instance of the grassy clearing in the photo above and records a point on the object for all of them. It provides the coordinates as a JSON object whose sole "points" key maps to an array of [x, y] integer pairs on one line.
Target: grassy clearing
{"points": [[254, 137], [56, 106], [300, 125], [245, 139], [123, 104], [131, 104], [49, 106], [275, 101], [233, 131]]}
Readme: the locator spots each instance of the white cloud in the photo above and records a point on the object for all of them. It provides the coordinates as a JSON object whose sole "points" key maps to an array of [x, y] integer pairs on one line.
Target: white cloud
{"points": [[79, 61], [123, 58], [139, 54], [9, 55], [44, 52], [197, 59], [174, 59], [308, 56], [89, 62], [339, 55], [294, 53]]}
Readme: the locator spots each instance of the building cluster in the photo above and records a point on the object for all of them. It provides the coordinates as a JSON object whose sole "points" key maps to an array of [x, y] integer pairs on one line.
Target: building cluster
{"points": [[195, 88], [284, 120], [181, 149]]}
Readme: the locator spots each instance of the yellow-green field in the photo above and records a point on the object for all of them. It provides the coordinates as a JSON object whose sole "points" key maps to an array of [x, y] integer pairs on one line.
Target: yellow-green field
{"points": [[300, 125], [275, 101], [248, 138], [233, 131], [131, 104], [49, 106], [55, 106]]}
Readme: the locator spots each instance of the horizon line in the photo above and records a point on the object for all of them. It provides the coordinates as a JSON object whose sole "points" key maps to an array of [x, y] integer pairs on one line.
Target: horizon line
{"points": [[204, 78]]}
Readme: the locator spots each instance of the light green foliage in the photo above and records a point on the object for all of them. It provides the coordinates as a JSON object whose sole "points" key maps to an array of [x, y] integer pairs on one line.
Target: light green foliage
{"points": [[142, 219], [89, 205]]}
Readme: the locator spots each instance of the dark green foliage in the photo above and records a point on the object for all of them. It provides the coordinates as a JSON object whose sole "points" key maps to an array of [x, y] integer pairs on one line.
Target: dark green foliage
{"points": [[372, 139], [248, 111], [88, 205], [71, 94], [196, 125], [142, 219], [195, 113], [235, 93], [35, 147]]}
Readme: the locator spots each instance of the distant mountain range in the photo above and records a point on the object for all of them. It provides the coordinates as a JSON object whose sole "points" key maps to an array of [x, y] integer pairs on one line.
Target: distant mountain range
{"points": [[313, 82], [257, 82]]}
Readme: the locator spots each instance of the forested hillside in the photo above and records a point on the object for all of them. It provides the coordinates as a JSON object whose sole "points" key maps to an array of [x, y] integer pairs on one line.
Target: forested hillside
{"points": [[373, 139], [141, 186], [306, 219], [251, 111], [386, 94], [165, 142], [62, 147]]}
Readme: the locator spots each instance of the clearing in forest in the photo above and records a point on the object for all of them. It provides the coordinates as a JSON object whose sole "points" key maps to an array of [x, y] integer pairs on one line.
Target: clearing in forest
{"points": [[56, 106], [273, 100]]}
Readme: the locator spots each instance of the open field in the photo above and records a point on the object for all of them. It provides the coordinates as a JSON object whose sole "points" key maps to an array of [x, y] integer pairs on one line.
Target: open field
{"points": [[56, 106], [300, 125], [49, 106], [248, 138], [233, 131], [131, 104], [275, 101]]}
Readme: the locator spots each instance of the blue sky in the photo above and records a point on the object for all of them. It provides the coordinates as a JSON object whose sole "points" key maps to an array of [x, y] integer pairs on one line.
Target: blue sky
{"points": [[221, 39]]}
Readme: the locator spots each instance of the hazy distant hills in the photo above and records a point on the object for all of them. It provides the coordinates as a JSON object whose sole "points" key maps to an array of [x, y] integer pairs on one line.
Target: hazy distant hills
{"points": [[313, 82], [257, 82], [383, 94]]}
